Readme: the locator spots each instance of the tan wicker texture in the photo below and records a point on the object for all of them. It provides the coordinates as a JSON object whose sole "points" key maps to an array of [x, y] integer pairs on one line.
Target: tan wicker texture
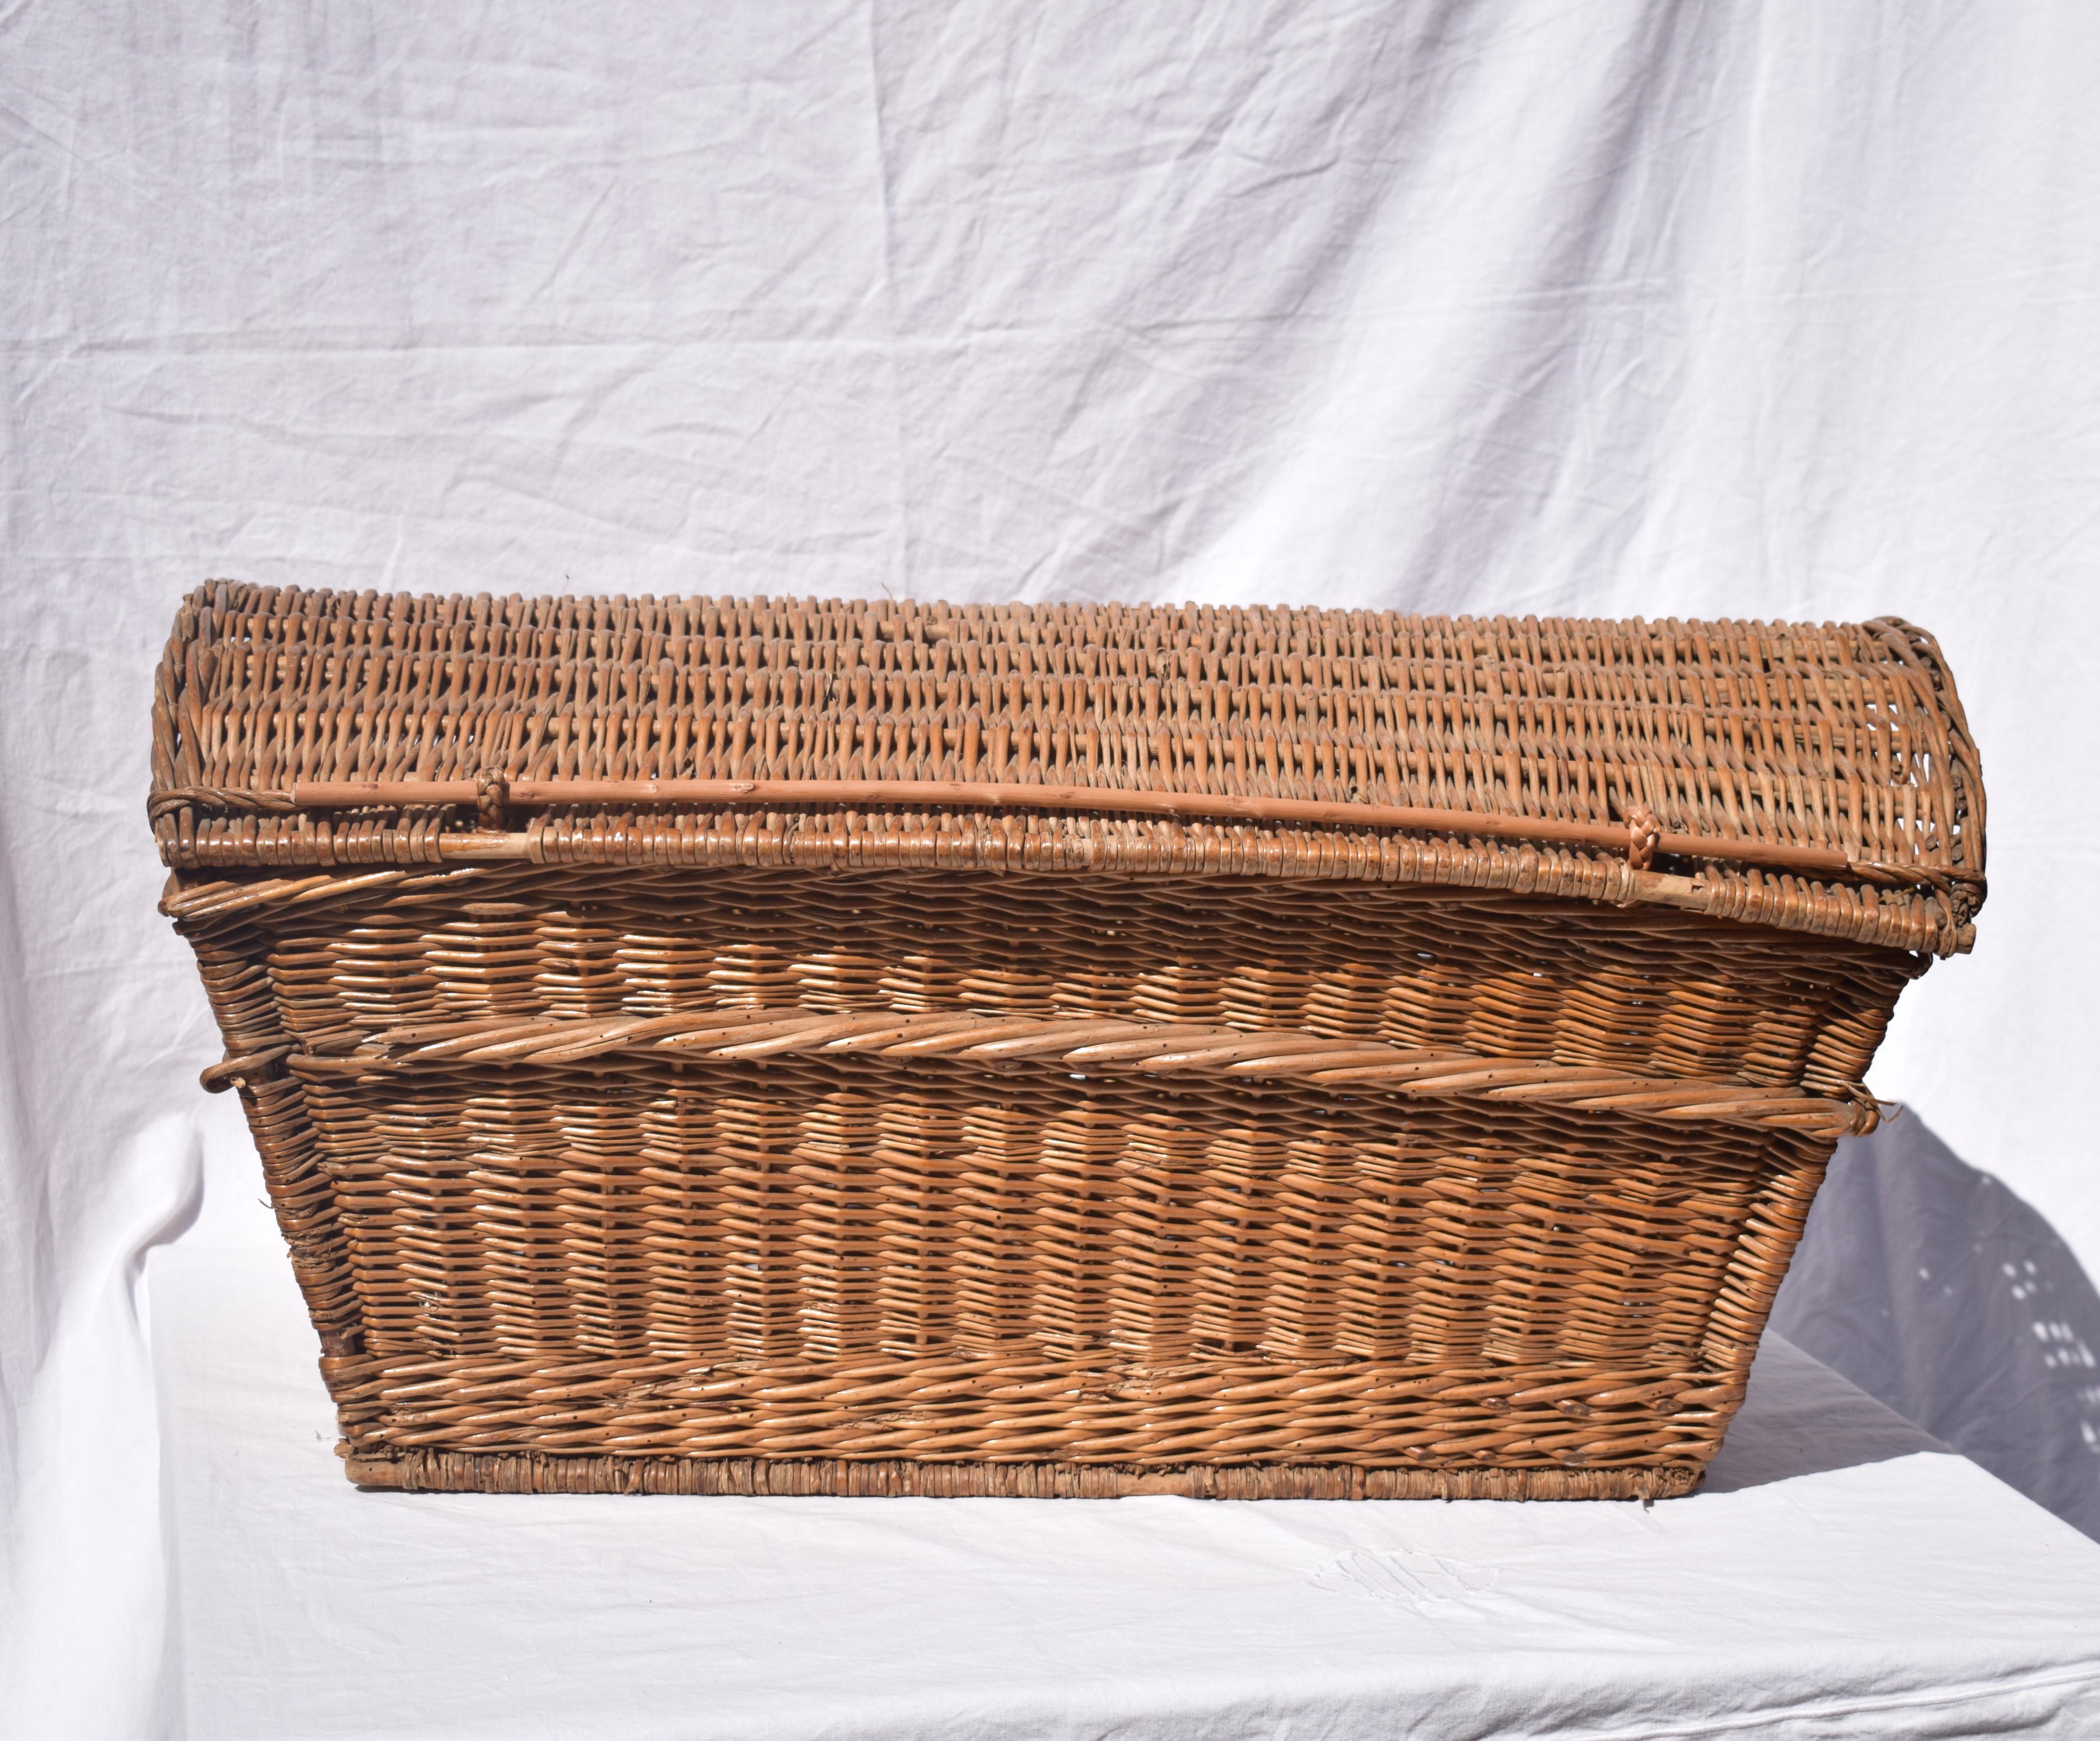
{"points": [[1233, 1052]]}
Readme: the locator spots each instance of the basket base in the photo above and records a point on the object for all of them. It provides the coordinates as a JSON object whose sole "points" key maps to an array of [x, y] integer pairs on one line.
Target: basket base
{"points": [[530, 1472]]}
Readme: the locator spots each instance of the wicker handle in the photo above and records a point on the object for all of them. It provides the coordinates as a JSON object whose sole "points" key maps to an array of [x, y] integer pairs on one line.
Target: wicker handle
{"points": [[230, 1073], [1097, 1043]]}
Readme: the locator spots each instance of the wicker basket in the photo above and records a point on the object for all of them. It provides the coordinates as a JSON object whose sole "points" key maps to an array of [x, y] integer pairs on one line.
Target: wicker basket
{"points": [[767, 1045]]}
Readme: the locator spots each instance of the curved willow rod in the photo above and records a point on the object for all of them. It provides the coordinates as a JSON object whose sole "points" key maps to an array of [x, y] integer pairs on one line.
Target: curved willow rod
{"points": [[493, 795]]}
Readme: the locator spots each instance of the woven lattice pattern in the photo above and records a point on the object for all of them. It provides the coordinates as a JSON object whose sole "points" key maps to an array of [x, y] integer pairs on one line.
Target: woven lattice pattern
{"points": [[1656, 993], [937, 1213], [1842, 736], [1835, 734], [924, 1264], [891, 1149]]}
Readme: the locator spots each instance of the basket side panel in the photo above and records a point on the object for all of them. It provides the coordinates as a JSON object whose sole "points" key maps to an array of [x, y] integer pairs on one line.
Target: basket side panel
{"points": [[821, 1260], [520, 1272], [1650, 991], [231, 961]]}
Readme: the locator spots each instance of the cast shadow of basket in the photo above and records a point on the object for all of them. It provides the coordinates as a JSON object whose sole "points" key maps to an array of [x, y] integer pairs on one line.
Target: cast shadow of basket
{"points": [[1934, 1289]]}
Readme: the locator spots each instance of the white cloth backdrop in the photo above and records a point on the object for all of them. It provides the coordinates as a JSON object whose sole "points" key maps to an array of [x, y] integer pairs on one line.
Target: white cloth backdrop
{"points": [[1742, 308]]}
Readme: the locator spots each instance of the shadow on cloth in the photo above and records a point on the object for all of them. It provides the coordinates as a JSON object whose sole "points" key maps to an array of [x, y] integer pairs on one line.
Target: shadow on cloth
{"points": [[1937, 1291], [1801, 1418]]}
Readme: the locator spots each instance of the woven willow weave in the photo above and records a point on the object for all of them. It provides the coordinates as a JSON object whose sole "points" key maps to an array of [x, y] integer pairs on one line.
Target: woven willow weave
{"points": [[765, 1046]]}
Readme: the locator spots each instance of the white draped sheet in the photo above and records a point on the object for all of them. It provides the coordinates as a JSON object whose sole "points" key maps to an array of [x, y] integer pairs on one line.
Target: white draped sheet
{"points": [[1775, 309]]}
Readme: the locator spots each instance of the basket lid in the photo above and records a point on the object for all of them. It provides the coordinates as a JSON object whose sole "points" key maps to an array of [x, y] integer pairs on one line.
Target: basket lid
{"points": [[1816, 777]]}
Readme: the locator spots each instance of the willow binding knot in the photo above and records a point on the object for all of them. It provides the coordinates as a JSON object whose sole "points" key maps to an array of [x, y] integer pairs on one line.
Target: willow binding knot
{"points": [[491, 794], [239, 799], [1644, 830]]}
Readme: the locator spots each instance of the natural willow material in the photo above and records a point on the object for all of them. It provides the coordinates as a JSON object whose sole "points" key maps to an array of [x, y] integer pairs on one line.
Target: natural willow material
{"points": [[1640, 837], [784, 1046]]}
